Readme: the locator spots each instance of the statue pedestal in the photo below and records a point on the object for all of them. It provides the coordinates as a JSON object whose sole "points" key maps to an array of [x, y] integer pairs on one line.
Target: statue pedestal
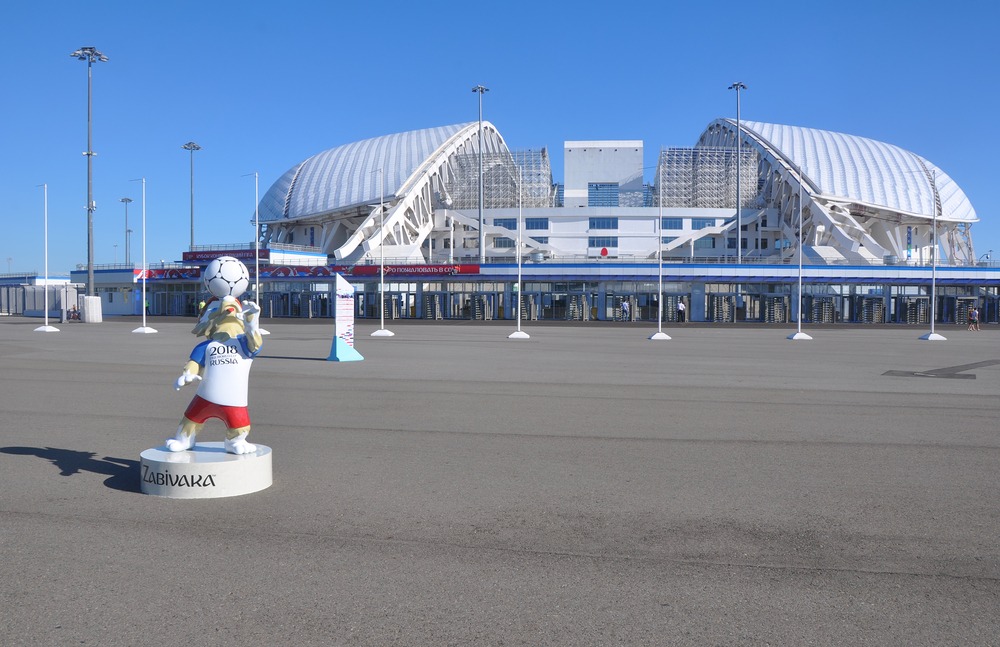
{"points": [[205, 471]]}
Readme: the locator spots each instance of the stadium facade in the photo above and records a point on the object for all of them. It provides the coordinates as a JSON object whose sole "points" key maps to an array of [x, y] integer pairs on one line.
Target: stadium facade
{"points": [[871, 217]]}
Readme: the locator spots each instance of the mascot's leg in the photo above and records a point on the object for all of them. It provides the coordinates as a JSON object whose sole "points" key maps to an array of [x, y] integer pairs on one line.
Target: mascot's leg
{"points": [[236, 441], [184, 439]]}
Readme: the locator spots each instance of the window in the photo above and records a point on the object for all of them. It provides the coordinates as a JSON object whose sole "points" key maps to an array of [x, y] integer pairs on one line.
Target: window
{"points": [[601, 194], [541, 240], [503, 241], [701, 223], [602, 241], [671, 223], [534, 224], [506, 223], [730, 243], [604, 223], [668, 239], [704, 243]]}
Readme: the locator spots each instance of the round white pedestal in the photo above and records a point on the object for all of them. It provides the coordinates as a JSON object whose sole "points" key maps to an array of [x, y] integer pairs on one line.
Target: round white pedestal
{"points": [[205, 471]]}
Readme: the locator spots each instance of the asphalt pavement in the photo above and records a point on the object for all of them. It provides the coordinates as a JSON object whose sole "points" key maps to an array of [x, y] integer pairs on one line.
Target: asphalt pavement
{"points": [[586, 486]]}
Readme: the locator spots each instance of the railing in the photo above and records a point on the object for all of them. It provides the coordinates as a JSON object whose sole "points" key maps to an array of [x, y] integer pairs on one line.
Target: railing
{"points": [[278, 246]]}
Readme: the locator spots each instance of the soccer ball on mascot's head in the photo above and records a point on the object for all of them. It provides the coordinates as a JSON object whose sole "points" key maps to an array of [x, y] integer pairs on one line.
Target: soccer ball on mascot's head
{"points": [[226, 276]]}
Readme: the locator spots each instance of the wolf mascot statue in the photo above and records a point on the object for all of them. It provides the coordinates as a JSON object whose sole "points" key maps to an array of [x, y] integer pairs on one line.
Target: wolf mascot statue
{"points": [[221, 366]]}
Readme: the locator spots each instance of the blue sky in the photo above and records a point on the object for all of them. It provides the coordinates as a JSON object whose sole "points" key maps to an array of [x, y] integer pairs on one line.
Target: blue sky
{"points": [[262, 86]]}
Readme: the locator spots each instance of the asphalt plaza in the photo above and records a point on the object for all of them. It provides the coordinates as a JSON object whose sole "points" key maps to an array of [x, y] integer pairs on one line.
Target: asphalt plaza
{"points": [[586, 486]]}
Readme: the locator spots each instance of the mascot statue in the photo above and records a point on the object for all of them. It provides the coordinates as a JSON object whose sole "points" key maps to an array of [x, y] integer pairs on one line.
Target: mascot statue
{"points": [[221, 364]]}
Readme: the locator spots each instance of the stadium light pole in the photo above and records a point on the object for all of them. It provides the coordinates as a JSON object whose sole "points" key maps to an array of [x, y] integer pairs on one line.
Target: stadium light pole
{"points": [[381, 332], [933, 336], [739, 164], [659, 335], [145, 271], [45, 236], [519, 334], [192, 147], [479, 89], [739, 188], [799, 335], [91, 55], [128, 255]]}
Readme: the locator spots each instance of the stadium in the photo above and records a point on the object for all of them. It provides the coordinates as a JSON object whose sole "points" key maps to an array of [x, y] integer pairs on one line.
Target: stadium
{"points": [[453, 215]]}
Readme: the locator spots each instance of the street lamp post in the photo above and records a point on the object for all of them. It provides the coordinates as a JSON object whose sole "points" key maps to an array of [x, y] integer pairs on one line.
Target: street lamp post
{"points": [[192, 147], [128, 256], [91, 55], [479, 89]]}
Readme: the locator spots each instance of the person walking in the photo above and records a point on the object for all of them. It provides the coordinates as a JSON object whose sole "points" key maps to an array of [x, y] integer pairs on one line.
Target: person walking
{"points": [[625, 309], [973, 318], [681, 309]]}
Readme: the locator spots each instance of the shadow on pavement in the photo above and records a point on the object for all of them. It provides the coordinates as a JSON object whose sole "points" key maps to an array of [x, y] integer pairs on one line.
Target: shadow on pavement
{"points": [[123, 473]]}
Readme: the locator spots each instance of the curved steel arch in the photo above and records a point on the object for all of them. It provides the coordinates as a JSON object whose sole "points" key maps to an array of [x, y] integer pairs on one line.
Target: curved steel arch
{"points": [[340, 190]]}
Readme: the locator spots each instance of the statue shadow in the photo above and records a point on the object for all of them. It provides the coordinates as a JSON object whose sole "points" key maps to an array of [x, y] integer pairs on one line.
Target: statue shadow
{"points": [[123, 473]]}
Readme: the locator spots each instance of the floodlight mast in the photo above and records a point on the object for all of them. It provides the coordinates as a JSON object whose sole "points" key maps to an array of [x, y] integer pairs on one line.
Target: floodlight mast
{"points": [[739, 163], [192, 147], [482, 232], [91, 55]]}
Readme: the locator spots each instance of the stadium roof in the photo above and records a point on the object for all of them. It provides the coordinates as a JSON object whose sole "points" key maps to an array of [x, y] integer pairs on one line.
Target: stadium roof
{"points": [[347, 176], [862, 170]]}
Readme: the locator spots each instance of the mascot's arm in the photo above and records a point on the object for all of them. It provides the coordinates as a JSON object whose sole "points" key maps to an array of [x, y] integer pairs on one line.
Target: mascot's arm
{"points": [[189, 375], [251, 319]]}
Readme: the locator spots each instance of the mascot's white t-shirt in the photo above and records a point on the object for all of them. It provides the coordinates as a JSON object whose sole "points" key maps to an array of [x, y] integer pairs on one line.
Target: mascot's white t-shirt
{"points": [[227, 370]]}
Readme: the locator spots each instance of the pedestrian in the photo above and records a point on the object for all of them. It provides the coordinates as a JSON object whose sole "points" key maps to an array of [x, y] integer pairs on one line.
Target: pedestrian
{"points": [[681, 308], [625, 316], [973, 318]]}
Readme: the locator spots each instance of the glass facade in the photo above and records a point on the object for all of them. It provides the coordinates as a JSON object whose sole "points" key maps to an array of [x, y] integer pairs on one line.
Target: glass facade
{"points": [[601, 194]]}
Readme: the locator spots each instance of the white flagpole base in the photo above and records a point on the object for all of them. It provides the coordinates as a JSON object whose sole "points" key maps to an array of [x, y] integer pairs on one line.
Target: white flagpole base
{"points": [[46, 329], [518, 334], [656, 336], [799, 335], [933, 336], [144, 329], [382, 332]]}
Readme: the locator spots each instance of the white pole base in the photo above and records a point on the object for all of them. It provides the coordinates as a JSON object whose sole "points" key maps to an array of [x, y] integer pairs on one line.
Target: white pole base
{"points": [[382, 332], [656, 336], [144, 329], [206, 471], [46, 329], [518, 334], [263, 332], [799, 335], [933, 336]]}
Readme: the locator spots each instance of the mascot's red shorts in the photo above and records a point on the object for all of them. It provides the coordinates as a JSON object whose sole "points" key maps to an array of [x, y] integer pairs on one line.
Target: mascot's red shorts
{"points": [[201, 410]]}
